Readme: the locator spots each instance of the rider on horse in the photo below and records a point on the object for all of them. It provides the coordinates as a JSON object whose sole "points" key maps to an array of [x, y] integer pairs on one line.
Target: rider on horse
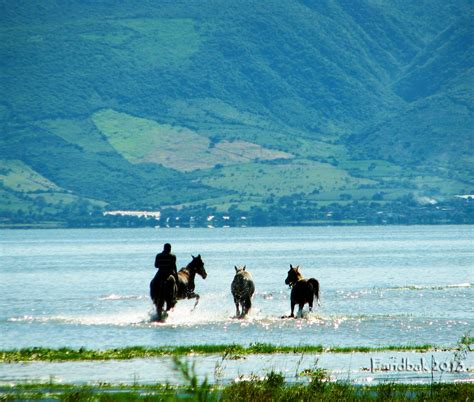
{"points": [[166, 264]]}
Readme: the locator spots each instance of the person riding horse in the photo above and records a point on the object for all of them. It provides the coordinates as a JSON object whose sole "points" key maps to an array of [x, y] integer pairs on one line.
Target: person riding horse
{"points": [[166, 264], [168, 286]]}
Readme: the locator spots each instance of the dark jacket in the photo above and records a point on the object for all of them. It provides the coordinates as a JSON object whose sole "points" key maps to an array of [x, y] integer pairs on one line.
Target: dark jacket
{"points": [[166, 264]]}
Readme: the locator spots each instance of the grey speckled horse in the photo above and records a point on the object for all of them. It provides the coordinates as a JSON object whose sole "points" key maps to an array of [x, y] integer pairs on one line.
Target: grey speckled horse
{"points": [[242, 289]]}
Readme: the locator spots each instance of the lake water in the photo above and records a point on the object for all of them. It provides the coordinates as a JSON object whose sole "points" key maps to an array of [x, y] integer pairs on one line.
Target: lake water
{"points": [[359, 368], [379, 285]]}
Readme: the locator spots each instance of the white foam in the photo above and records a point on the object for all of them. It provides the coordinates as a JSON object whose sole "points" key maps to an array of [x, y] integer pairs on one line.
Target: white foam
{"points": [[184, 314], [120, 319], [114, 296]]}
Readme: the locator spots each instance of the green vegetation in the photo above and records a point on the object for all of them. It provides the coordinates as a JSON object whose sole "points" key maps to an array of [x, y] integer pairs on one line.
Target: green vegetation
{"points": [[132, 352], [142, 140], [318, 389], [22, 188], [19, 177], [168, 105], [283, 178], [78, 132], [271, 387], [314, 384]]}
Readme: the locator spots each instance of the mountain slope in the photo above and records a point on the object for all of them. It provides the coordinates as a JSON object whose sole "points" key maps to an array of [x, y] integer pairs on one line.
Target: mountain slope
{"points": [[435, 128], [448, 56], [146, 105]]}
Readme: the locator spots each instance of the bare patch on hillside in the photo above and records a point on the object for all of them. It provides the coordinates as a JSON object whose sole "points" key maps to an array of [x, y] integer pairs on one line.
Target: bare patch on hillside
{"points": [[191, 153], [242, 151], [142, 140]]}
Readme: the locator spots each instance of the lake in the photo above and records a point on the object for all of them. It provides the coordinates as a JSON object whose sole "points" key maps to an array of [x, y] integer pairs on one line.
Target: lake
{"points": [[399, 285]]}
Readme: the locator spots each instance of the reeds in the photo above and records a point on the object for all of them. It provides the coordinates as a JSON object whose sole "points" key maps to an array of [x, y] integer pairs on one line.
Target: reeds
{"points": [[272, 387], [134, 352]]}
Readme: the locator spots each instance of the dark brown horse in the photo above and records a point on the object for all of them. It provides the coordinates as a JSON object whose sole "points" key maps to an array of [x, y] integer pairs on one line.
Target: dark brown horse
{"points": [[169, 292], [303, 291], [186, 279]]}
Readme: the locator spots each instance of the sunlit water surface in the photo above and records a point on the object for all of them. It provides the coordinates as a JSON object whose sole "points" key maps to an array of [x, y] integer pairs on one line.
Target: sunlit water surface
{"points": [[379, 286]]}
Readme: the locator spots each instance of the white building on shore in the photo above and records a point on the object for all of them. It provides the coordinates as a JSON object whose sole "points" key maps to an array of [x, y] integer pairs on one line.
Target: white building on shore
{"points": [[140, 214]]}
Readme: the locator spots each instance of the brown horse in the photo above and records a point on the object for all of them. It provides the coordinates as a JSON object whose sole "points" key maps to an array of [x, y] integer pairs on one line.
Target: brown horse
{"points": [[303, 291], [169, 292], [186, 279]]}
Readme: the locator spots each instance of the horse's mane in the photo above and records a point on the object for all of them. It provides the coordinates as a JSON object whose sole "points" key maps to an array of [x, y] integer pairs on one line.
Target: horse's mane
{"points": [[188, 269], [297, 272]]}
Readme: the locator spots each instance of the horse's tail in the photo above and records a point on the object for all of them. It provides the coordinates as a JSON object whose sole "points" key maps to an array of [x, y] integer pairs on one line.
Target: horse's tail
{"points": [[315, 284], [249, 291]]}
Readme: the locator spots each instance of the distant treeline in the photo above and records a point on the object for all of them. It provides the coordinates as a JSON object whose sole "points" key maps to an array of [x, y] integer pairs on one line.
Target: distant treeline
{"points": [[292, 211]]}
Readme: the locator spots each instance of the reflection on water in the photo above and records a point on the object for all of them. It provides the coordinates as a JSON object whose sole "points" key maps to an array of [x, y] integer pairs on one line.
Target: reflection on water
{"points": [[379, 285]]}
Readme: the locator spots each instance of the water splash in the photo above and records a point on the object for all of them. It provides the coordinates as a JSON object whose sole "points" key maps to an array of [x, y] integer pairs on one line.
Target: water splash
{"points": [[114, 296], [183, 316], [118, 319]]}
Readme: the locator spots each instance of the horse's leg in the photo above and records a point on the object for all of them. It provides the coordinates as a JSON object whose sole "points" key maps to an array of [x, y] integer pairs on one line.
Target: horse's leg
{"points": [[197, 301], [237, 308], [159, 309], [248, 304], [243, 308], [153, 295], [292, 309], [161, 297], [300, 310], [193, 296], [156, 297]]}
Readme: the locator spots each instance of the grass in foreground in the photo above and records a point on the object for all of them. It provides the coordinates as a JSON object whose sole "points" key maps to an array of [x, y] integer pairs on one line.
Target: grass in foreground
{"points": [[272, 387], [133, 352]]}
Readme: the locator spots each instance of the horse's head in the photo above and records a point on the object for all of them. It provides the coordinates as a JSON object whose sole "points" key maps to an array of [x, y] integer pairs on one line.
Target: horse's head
{"points": [[197, 264], [294, 275], [239, 269]]}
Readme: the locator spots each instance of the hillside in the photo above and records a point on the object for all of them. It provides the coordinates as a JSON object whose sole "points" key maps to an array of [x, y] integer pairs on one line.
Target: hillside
{"points": [[232, 106], [434, 130]]}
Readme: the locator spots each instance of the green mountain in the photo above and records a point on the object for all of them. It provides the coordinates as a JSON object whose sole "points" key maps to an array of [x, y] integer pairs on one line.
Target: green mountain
{"points": [[434, 129], [148, 105]]}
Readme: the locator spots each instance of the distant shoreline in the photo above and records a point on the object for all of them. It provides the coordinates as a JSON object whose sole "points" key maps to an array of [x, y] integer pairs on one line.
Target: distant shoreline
{"points": [[286, 224]]}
